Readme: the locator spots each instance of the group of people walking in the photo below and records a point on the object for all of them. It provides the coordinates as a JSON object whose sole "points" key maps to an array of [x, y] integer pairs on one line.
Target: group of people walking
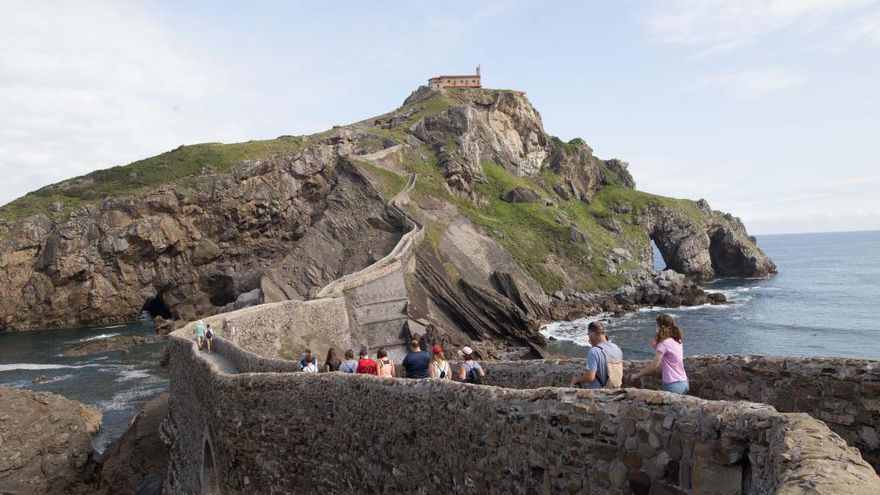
{"points": [[417, 364], [604, 367]]}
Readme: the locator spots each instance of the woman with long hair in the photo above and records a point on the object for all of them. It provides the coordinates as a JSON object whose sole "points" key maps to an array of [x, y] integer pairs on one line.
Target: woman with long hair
{"points": [[669, 357], [439, 367], [332, 362], [349, 364]]}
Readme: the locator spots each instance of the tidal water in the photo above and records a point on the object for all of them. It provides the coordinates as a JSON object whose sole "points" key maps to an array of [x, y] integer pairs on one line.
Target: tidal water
{"points": [[115, 382], [824, 302]]}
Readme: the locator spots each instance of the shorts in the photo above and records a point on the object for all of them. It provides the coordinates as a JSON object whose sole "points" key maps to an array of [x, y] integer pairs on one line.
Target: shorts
{"points": [[681, 387]]}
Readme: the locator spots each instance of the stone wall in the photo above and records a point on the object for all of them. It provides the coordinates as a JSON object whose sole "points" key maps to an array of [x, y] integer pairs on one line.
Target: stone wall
{"points": [[335, 433], [844, 393], [285, 328]]}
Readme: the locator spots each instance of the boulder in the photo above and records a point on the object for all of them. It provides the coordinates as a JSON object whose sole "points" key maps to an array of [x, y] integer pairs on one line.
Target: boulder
{"points": [[521, 194], [134, 462], [576, 235], [45, 442]]}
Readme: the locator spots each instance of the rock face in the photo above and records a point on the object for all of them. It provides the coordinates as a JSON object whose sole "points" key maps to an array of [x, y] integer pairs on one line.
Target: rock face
{"points": [[511, 214], [194, 249], [716, 245], [138, 459], [45, 442]]}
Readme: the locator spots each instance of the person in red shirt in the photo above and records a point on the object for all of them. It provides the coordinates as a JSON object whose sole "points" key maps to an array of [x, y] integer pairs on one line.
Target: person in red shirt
{"points": [[367, 366]]}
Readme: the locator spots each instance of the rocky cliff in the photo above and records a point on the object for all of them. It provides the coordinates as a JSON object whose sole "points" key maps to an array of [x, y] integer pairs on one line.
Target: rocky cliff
{"points": [[45, 443], [512, 215]]}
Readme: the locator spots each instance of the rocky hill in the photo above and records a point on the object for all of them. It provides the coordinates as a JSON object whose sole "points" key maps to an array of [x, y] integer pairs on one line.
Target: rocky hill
{"points": [[520, 226]]}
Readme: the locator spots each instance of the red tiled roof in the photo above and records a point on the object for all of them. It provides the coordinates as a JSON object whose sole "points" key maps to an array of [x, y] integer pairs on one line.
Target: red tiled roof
{"points": [[445, 77]]}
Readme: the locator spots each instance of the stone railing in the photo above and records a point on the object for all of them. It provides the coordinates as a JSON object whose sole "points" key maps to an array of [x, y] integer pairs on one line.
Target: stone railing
{"points": [[844, 393], [296, 432], [275, 329]]}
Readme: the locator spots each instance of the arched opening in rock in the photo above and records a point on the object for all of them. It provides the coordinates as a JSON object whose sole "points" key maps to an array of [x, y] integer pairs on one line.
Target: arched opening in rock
{"points": [[156, 307], [657, 257], [221, 289], [210, 483]]}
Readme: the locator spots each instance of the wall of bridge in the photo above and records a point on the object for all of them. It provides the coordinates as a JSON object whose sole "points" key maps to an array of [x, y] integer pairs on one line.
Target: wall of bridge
{"points": [[275, 432], [844, 393]]}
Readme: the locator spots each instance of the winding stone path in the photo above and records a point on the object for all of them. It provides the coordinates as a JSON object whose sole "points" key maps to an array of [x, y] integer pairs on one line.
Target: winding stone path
{"points": [[222, 363]]}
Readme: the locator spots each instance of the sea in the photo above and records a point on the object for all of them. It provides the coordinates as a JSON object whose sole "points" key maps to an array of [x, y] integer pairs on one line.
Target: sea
{"points": [[117, 383], [823, 302]]}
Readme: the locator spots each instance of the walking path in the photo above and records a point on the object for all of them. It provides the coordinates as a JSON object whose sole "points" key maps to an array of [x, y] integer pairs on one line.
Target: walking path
{"points": [[218, 359]]}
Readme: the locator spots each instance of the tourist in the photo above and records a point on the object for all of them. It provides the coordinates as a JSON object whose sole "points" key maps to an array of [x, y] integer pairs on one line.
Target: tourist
{"points": [[200, 333], [309, 363], [386, 367], [604, 361], [332, 362], [349, 364], [366, 366], [416, 361], [470, 370], [209, 336], [669, 357], [439, 366]]}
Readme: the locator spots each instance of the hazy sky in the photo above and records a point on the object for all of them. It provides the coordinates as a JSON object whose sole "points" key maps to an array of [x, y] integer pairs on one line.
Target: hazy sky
{"points": [[769, 110]]}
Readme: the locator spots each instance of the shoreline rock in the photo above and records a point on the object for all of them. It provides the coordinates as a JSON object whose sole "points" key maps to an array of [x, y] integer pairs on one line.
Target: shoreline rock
{"points": [[45, 443], [118, 343], [666, 289], [136, 462]]}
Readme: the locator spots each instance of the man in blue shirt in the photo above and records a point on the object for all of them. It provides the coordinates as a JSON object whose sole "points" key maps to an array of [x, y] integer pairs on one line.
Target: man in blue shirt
{"points": [[416, 362], [596, 374]]}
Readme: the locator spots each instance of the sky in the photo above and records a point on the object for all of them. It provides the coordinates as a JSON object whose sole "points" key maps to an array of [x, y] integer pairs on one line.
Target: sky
{"points": [[769, 110]]}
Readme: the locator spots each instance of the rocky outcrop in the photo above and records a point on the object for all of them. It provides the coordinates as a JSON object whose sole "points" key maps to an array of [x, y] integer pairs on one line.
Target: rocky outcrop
{"points": [[706, 246], [137, 461], [118, 343], [196, 248], [521, 195], [45, 443], [667, 288], [503, 127]]}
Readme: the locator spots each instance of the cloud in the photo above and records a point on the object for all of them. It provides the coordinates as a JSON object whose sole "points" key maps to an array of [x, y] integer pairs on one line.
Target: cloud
{"points": [[753, 81], [720, 25], [867, 27], [86, 85]]}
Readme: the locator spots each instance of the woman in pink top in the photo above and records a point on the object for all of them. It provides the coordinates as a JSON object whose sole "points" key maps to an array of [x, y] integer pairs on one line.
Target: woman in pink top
{"points": [[669, 357]]}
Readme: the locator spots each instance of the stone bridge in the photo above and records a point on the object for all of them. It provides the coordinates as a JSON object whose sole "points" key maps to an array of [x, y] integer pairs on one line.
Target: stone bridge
{"points": [[241, 420], [244, 423]]}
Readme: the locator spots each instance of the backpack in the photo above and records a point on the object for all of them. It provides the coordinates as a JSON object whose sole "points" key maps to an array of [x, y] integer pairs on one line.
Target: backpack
{"points": [[347, 367], [441, 370], [473, 374], [614, 371]]}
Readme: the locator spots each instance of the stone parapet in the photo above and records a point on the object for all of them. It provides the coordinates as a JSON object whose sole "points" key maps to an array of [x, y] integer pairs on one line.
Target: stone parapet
{"points": [[309, 433], [284, 328], [842, 392]]}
